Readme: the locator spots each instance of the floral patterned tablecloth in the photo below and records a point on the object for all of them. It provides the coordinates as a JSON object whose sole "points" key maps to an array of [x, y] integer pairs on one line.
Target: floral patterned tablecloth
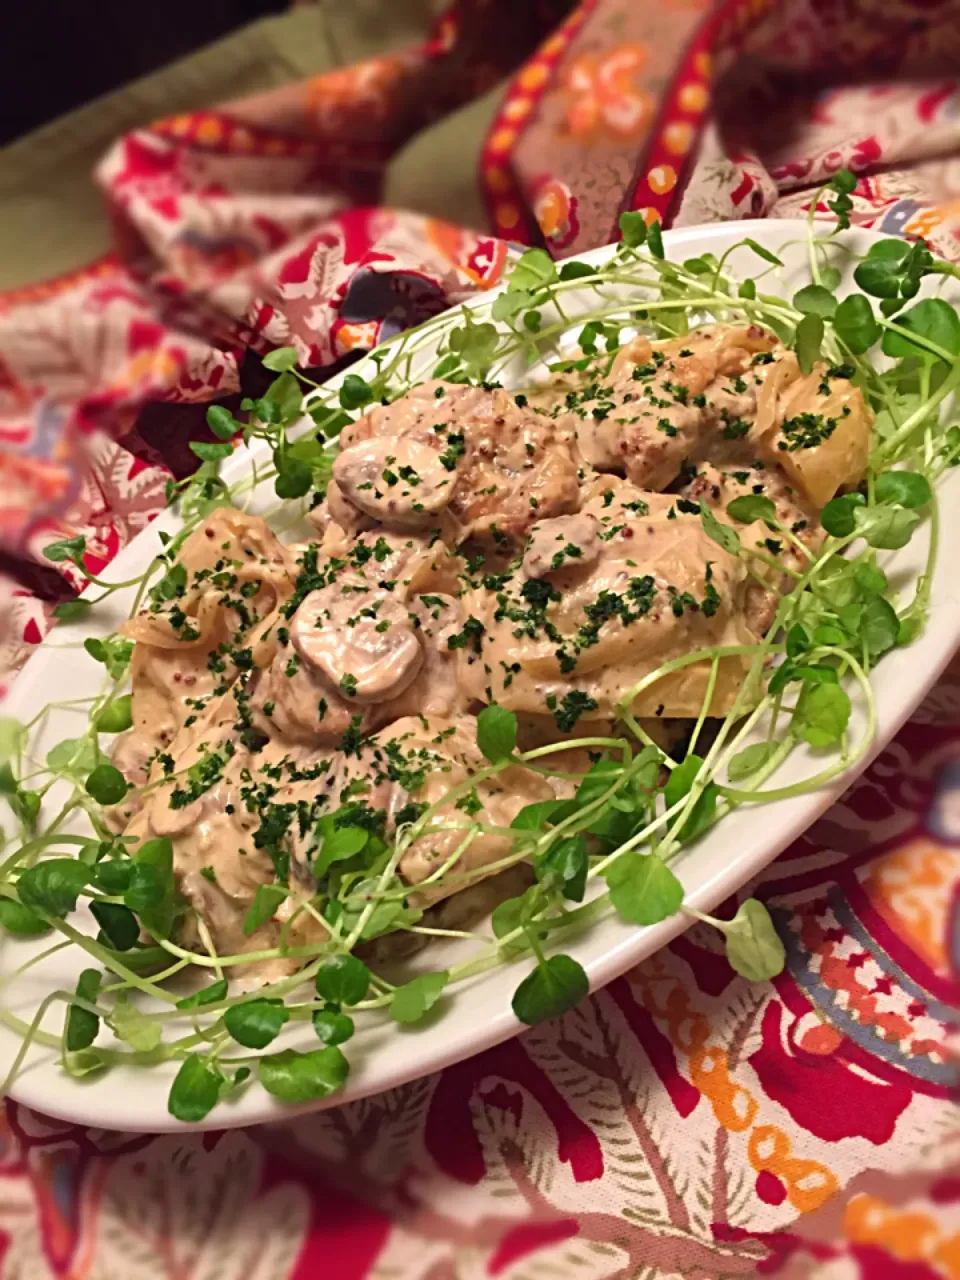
{"points": [[681, 1122]]}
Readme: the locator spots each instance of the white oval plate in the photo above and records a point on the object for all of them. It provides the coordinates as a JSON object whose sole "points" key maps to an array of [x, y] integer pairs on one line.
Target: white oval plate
{"points": [[478, 1013]]}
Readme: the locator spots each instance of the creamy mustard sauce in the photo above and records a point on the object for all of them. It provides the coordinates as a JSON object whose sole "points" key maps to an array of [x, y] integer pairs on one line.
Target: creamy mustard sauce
{"points": [[474, 546]]}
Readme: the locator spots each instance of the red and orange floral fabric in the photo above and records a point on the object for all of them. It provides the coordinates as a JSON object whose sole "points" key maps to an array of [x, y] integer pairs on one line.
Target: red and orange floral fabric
{"points": [[681, 1122]]}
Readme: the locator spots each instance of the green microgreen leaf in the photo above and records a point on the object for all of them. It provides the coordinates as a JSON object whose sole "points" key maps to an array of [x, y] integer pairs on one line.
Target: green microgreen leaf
{"points": [[750, 760], [797, 641], [788, 672], [698, 266], [265, 902], [511, 304], [222, 422], [750, 507], [106, 784], [330, 421], [13, 737], [933, 319], [894, 249], [281, 360], [565, 865], [19, 920], [120, 927], [286, 395], [66, 549], [534, 817], [208, 451], [387, 917], [53, 886], [871, 580], [476, 344], [76, 757], [879, 627], [815, 300], [113, 876], [116, 716], [555, 986], [533, 270], [113, 651], [81, 1025], [904, 488], [294, 478], [843, 183], [822, 714], [256, 1023], [301, 1077], [496, 733], [879, 277], [416, 998], [576, 271], [170, 587], [838, 517], [633, 229], [342, 979], [134, 1027], [753, 946], [211, 994], [809, 339], [855, 324], [152, 891], [827, 633], [336, 843], [195, 1091], [354, 392], [886, 528], [332, 1027], [643, 889], [678, 785], [761, 252], [719, 533], [72, 610], [518, 913], [24, 804]]}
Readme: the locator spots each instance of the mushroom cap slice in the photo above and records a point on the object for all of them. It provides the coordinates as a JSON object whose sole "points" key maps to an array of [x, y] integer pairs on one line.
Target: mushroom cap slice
{"points": [[397, 480], [561, 543], [361, 643]]}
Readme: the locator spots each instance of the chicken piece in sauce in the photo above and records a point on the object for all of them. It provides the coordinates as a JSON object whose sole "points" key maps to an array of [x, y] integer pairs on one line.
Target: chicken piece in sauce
{"points": [[816, 426], [212, 822], [659, 403], [482, 457], [572, 639], [417, 762], [718, 488], [236, 576]]}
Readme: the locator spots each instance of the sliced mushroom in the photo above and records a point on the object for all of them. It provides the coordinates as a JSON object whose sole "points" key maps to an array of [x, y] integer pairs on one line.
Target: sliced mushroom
{"points": [[341, 511], [361, 643], [397, 480], [562, 543]]}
